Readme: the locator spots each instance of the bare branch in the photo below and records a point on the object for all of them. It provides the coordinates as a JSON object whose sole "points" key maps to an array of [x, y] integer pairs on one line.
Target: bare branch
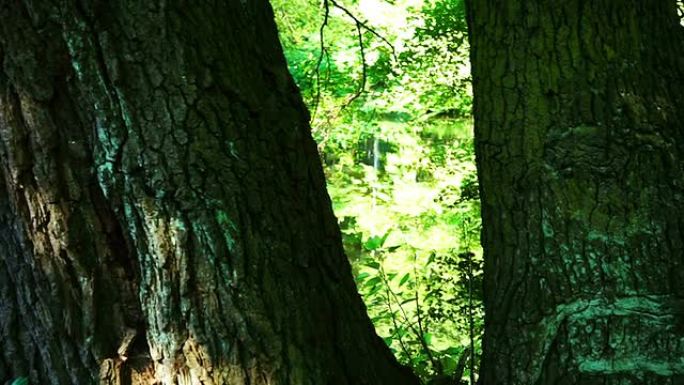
{"points": [[360, 26], [365, 26], [323, 53], [364, 68]]}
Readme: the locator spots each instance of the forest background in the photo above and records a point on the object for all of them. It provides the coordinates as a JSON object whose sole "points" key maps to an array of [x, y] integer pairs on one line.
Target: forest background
{"points": [[387, 84]]}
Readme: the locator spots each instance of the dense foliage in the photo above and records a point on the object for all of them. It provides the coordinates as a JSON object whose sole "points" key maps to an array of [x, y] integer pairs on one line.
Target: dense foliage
{"points": [[390, 101]]}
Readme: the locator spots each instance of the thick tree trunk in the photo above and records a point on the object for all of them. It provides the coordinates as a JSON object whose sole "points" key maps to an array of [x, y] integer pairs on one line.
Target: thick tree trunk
{"points": [[163, 213], [579, 125]]}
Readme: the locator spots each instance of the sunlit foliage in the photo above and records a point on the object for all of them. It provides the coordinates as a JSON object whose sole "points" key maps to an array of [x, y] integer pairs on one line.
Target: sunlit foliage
{"points": [[400, 165]]}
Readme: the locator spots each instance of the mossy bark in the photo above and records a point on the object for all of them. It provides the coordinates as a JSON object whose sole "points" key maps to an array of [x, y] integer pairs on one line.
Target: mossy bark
{"points": [[163, 213], [579, 126]]}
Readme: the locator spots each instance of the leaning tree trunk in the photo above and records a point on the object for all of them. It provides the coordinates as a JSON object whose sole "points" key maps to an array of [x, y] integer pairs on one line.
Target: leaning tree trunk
{"points": [[579, 125], [163, 213]]}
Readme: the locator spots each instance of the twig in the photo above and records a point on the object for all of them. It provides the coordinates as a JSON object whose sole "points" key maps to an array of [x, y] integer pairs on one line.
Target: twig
{"points": [[364, 26], [360, 26], [364, 68], [435, 363], [394, 322], [423, 343], [460, 365], [322, 54]]}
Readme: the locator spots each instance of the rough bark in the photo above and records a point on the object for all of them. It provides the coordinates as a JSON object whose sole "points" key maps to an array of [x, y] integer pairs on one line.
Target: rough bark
{"points": [[163, 213], [579, 126]]}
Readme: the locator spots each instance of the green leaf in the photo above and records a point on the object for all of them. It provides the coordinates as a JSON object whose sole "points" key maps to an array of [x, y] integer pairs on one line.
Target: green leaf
{"points": [[362, 276], [376, 242], [374, 290], [428, 338], [404, 279], [373, 282], [449, 363], [373, 243]]}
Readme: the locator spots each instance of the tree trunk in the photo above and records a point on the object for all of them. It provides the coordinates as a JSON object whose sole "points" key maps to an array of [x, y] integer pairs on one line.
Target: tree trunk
{"points": [[163, 213], [579, 126]]}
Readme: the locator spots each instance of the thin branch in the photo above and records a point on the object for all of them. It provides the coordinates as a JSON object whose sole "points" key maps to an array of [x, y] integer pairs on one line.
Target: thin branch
{"points": [[394, 322], [364, 26], [461, 365], [436, 364], [360, 26], [322, 54], [421, 338], [364, 68], [417, 297]]}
